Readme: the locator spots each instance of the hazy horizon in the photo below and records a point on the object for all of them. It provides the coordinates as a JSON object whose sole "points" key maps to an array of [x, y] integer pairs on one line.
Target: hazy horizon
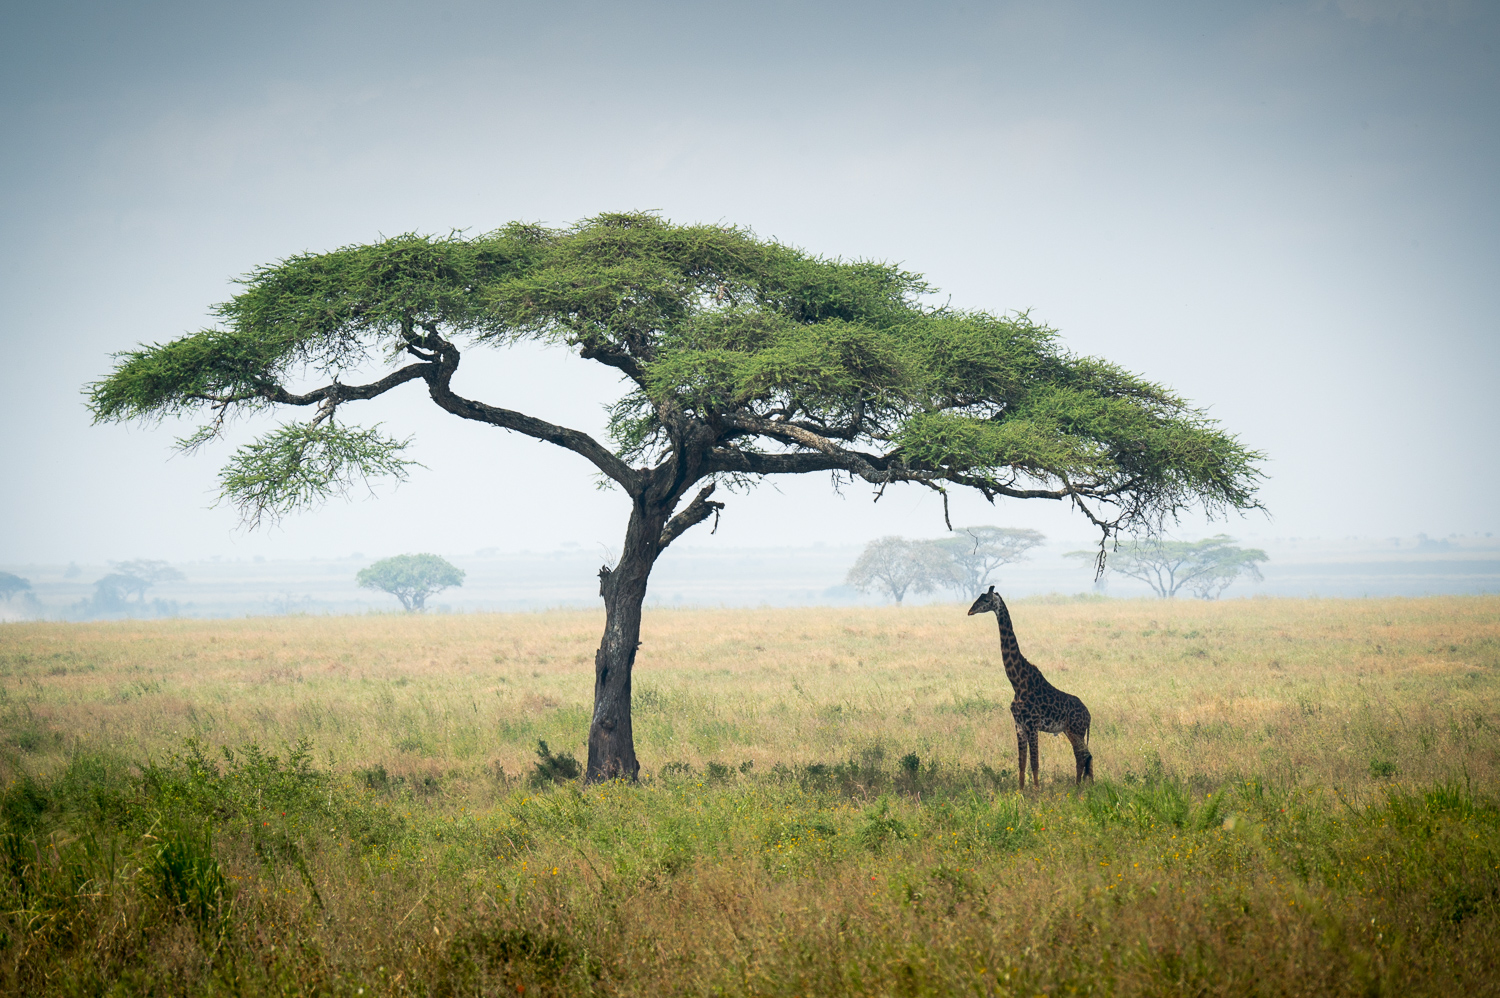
{"points": [[564, 577]]}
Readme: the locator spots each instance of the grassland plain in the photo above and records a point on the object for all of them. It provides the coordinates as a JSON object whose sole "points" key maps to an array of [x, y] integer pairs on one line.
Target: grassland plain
{"points": [[1295, 797]]}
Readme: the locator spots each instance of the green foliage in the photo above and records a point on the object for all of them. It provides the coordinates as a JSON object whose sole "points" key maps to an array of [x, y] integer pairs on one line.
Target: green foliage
{"points": [[168, 379], [322, 306], [411, 578], [745, 346], [326, 312], [301, 465]]}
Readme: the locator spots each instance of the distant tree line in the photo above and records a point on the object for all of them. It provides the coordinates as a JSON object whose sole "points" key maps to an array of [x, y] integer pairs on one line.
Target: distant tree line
{"points": [[966, 563], [963, 563], [121, 592]]}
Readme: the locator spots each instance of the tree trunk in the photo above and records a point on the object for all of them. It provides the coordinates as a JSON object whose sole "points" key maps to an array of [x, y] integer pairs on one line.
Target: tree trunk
{"points": [[611, 739]]}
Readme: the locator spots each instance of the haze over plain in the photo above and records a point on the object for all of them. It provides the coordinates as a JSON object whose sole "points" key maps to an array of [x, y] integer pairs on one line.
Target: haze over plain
{"points": [[1286, 212]]}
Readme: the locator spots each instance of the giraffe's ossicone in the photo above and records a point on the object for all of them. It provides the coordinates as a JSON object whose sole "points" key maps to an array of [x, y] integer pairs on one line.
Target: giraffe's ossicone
{"points": [[1038, 706]]}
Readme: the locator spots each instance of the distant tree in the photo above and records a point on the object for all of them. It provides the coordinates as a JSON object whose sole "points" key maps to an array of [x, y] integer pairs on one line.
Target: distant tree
{"points": [[148, 571], [12, 584], [977, 551], [411, 578], [896, 566], [72, 571], [1205, 568], [130, 578], [1226, 564], [287, 604], [124, 589], [111, 593], [739, 358]]}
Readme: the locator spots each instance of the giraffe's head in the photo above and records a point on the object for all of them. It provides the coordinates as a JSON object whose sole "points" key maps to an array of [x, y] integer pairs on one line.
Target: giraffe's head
{"points": [[990, 602]]}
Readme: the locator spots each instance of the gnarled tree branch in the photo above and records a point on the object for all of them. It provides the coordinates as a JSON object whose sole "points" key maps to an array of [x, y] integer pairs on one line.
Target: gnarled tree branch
{"points": [[700, 509], [439, 377], [337, 392]]}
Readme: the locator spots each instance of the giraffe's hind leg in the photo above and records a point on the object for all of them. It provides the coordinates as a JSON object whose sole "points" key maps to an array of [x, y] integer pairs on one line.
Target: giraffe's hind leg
{"points": [[1083, 759], [1036, 758], [1021, 750]]}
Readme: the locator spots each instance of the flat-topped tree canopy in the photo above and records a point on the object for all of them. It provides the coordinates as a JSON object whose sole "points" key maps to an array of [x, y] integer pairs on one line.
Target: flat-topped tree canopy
{"points": [[741, 357]]}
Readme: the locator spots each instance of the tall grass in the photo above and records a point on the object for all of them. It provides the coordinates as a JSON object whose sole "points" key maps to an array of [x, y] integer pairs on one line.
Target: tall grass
{"points": [[1295, 797]]}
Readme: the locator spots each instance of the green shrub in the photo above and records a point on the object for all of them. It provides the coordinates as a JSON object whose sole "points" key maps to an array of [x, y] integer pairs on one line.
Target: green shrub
{"points": [[550, 769]]}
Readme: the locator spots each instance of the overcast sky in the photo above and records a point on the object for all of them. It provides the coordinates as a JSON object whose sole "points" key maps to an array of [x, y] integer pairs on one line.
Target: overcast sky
{"points": [[1287, 212]]}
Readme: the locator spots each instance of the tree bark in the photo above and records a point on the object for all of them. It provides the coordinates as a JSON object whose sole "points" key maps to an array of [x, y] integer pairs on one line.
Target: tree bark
{"points": [[611, 738]]}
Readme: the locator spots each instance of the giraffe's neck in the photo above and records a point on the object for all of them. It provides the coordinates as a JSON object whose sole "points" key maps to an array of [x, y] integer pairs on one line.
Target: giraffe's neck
{"points": [[1021, 673]]}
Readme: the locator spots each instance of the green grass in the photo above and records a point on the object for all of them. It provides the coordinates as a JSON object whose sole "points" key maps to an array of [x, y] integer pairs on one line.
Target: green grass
{"points": [[1328, 825]]}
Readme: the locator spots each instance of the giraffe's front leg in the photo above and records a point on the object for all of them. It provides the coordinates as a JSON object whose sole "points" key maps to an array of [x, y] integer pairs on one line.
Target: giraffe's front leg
{"points": [[1021, 740]]}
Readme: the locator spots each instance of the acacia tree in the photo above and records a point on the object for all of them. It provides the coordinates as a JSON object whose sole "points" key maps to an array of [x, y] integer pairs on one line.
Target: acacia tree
{"points": [[129, 578], [111, 591], [977, 551], [411, 578], [148, 573], [1205, 568], [894, 565], [741, 358]]}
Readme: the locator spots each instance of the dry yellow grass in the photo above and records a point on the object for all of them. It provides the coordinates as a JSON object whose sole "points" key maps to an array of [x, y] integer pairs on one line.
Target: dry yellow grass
{"points": [[1308, 690], [1295, 797]]}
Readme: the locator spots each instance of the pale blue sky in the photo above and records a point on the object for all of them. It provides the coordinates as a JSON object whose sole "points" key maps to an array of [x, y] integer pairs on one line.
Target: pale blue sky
{"points": [[1288, 212]]}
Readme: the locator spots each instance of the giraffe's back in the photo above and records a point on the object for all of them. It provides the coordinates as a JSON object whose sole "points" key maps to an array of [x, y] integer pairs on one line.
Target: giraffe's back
{"points": [[1047, 708]]}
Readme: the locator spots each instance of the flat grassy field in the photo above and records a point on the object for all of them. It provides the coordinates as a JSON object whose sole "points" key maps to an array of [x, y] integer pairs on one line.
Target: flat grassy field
{"points": [[1293, 797]]}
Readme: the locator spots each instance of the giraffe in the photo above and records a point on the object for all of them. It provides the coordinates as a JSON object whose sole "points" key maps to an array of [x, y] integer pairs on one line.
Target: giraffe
{"points": [[1038, 706]]}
